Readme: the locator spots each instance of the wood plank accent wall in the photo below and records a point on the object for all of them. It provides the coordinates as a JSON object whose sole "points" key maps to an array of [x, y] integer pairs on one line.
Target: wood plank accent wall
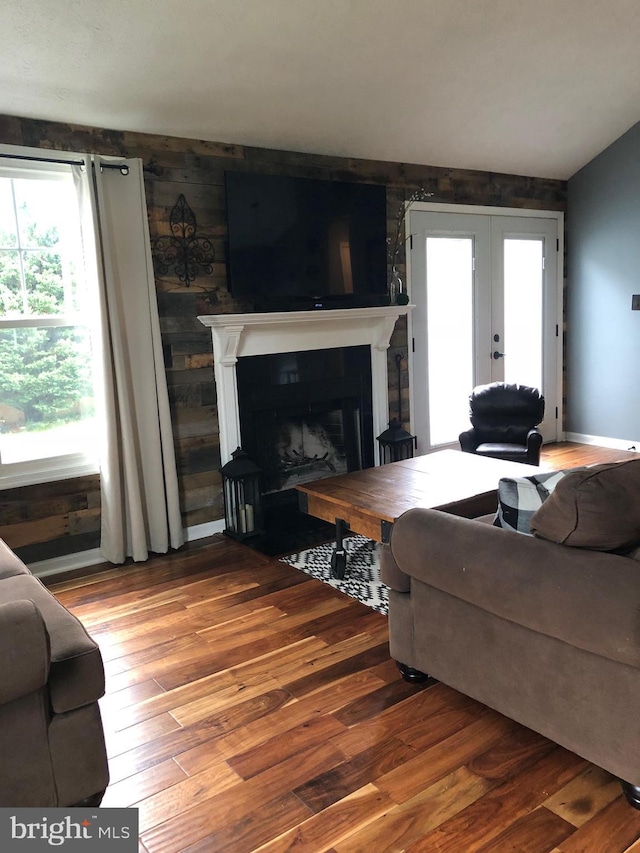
{"points": [[55, 519]]}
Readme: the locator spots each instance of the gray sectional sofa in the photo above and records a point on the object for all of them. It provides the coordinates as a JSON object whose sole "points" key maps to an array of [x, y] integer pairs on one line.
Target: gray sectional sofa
{"points": [[542, 627], [51, 677]]}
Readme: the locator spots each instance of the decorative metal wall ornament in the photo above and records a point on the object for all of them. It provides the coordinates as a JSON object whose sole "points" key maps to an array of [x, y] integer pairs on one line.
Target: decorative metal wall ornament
{"points": [[187, 253]]}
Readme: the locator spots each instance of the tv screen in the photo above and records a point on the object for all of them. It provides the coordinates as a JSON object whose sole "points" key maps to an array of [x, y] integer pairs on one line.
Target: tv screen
{"points": [[295, 242]]}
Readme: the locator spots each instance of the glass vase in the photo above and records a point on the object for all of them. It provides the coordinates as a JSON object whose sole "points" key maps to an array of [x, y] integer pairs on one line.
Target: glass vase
{"points": [[395, 287]]}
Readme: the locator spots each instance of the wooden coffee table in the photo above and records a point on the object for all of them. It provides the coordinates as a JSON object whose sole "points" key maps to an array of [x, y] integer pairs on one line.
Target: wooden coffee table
{"points": [[369, 501]]}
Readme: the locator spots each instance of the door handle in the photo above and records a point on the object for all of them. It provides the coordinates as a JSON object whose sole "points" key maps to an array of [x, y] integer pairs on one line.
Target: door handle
{"points": [[497, 354]]}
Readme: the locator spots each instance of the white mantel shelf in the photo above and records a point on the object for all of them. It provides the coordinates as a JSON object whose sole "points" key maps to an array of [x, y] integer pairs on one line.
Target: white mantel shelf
{"points": [[292, 331], [237, 336]]}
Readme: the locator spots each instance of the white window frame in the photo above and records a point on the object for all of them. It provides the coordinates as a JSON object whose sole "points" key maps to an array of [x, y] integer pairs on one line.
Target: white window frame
{"points": [[65, 466]]}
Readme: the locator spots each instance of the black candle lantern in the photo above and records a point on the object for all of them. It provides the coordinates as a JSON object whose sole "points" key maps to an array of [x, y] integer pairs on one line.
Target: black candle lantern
{"points": [[395, 443], [242, 499]]}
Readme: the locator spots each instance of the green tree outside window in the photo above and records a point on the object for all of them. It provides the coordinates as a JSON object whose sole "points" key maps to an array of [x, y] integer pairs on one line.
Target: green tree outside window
{"points": [[45, 372]]}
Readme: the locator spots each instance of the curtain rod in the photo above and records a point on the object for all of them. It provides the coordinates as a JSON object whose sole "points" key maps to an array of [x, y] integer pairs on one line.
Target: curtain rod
{"points": [[124, 169], [43, 159]]}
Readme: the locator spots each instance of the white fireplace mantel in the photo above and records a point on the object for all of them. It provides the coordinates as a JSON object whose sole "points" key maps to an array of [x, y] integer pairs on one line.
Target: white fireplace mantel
{"points": [[240, 335]]}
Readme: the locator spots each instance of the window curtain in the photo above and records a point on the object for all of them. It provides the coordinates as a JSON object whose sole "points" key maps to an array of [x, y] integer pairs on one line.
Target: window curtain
{"points": [[140, 507]]}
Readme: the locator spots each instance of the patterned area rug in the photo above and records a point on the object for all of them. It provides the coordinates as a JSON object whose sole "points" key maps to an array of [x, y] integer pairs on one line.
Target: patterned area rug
{"points": [[362, 577]]}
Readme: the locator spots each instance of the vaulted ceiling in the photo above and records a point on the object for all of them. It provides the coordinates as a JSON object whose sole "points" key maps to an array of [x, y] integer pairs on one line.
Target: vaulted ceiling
{"points": [[533, 87]]}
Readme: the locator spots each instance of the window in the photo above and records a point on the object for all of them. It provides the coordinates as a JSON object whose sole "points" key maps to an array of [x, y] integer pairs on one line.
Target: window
{"points": [[47, 418]]}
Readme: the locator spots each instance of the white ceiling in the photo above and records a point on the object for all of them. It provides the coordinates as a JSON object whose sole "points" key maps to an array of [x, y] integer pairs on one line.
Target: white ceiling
{"points": [[534, 87]]}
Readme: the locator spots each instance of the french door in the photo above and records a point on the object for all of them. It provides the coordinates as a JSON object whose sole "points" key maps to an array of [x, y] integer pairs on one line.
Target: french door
{"points": [[486, 295]]}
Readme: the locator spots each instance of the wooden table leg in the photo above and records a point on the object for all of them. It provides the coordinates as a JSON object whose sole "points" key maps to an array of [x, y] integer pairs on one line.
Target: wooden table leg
{"points": [[339, 556]]}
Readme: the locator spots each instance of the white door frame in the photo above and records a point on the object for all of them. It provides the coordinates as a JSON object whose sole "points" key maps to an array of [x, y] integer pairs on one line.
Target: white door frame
{"points": [[558, 215]]}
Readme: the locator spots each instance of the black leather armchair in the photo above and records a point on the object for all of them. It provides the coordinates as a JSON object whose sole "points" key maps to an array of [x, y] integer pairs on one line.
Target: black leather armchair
{"points": [[504, 419]]}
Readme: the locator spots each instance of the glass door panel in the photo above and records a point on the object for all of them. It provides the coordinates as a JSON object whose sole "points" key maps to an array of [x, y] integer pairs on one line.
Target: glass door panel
{"points": [[450, 336], [523, 306], [525, 309]]}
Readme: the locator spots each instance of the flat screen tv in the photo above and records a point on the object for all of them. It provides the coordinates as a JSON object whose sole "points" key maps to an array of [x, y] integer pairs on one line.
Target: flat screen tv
{"points": [[296, 243]]}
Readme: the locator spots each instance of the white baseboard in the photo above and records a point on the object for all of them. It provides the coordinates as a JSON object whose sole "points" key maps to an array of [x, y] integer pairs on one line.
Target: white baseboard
{"points": [[603, 441], [201, 531], [93, 557], [66, 563]]}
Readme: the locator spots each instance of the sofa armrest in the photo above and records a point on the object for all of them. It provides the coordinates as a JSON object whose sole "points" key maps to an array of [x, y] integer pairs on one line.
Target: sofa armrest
{"points": [[587, 598], [534, 443], [24, 650], [468, 440], [390, 572]]}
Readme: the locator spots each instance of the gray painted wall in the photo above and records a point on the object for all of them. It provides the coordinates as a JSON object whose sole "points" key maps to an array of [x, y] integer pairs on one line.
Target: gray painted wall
{"points": [[603, 258]]}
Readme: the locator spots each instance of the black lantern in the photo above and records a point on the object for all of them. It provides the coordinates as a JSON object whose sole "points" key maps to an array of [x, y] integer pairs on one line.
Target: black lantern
{"points": [[395, 443], [242, 501]]}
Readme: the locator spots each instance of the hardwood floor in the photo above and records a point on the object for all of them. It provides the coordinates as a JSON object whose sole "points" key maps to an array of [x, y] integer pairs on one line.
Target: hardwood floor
{"points": [[250, 707]]}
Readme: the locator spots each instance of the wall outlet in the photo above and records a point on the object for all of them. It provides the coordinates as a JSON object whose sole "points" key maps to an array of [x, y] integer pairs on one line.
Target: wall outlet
{"points": [[635, 302]]}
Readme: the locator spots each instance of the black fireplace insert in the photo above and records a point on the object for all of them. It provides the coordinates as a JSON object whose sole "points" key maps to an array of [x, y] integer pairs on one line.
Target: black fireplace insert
{"points": [[304, 416]]}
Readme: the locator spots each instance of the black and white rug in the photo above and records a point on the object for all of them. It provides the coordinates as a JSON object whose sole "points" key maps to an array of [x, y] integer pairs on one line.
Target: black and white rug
{"points": [[362, 577]]}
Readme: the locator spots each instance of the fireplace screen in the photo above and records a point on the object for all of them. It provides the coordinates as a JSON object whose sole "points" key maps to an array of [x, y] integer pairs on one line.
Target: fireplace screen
{"points": [[311, 446], [306, 415]]}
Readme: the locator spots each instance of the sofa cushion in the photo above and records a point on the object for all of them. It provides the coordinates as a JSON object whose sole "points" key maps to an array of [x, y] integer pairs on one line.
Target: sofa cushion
{"points": [[520, 497], [597, 508], [76, 675], [502, 450], [10, 564]]}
